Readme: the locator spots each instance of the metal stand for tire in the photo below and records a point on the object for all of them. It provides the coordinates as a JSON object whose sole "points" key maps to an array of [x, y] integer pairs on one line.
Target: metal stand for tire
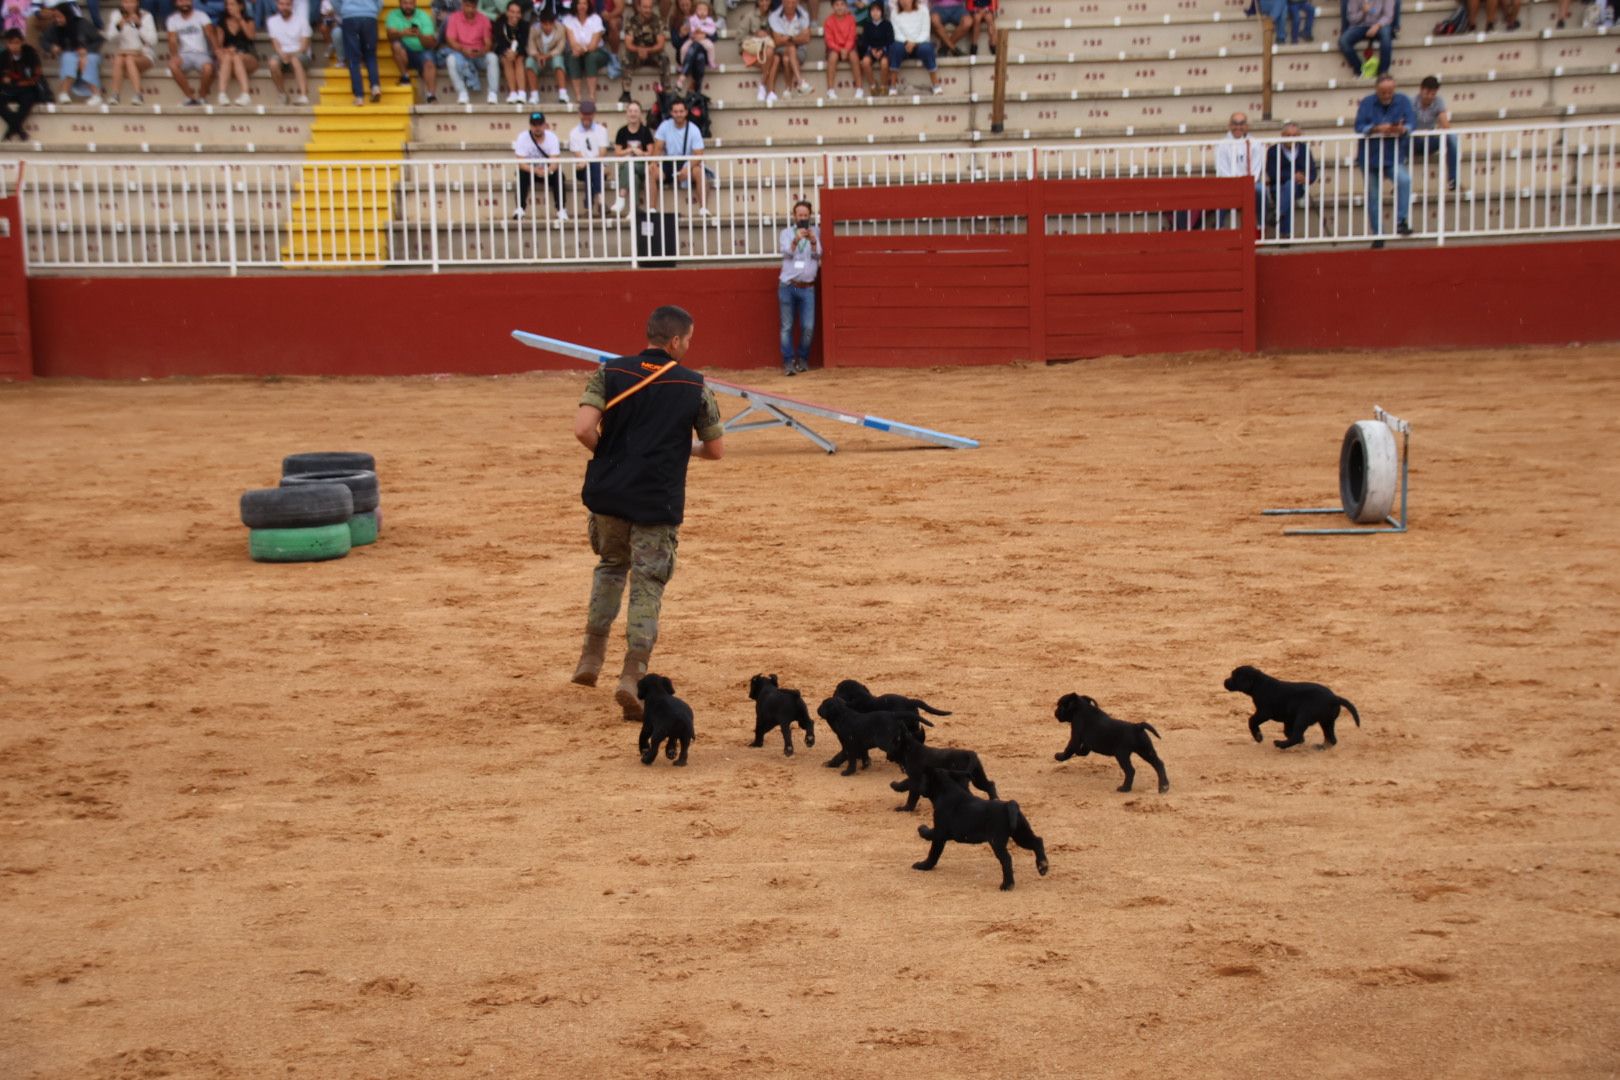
{"points": [[1363, 477]]}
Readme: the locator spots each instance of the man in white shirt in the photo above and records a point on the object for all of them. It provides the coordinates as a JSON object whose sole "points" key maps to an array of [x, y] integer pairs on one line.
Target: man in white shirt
{"points": [[584, 55], [289, 42], [538, 151], [191, 51], [1239, 155], [790, 33], [679, 138], [589, 141]]}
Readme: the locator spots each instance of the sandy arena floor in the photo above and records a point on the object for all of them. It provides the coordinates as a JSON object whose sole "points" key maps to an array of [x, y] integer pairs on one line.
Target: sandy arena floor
{"points": [[351, 820]]}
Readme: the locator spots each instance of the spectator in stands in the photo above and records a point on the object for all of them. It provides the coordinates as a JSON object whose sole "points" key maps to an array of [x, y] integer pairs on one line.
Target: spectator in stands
{"points": [[611, 12], [646, 44], [697, 51], [1239, 155], [911, 42], [511, 44], [133, 35], [589, 142], [1368, 20], [237, 56], [1290, 172], [470, 34], [633, 140], [191, 50], [584, 55], [1432, 116], [790, 33], [537, 150], [1301, 20], [70, 36], [332, 33], [1510, 9], [14, 16], [1277, 12], [800, 247], [410, 39], [678, 13], [1385, 120], [877, 38], [754, 34], [547, 40], [22, 73], [678, 138], [983, 14], [360, 44], [950, 23], [839, 33]]}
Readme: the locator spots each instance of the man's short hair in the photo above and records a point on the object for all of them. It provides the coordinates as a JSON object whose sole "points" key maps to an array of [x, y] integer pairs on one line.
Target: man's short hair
{"points": [[804, 203], [668, 323], [13, 34], [1429, 83], [1384, 78]]}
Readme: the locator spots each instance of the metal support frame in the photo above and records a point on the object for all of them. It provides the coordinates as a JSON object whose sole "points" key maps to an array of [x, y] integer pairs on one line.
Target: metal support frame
{"points": [[774, 406], [1405, 429]]}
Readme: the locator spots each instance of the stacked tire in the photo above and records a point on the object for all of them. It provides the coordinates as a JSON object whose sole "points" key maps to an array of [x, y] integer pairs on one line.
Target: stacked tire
{"points": [[327, 504]]}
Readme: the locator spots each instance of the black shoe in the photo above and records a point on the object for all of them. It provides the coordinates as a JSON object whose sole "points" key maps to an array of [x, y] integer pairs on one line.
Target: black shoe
{"points": [[973, 50], [1403, 229], [1378, 245], [404, 80]]}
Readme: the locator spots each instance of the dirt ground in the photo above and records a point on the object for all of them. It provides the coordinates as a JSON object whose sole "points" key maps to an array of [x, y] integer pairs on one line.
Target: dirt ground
{"points": [[351, 819]]}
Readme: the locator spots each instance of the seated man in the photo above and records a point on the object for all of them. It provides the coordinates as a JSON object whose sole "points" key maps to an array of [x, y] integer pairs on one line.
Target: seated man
{"points": [[470, 36], [71, 37], [1368, 20], [21, 72], [1290, 171], [289, 45], [589, 141], [1385, 120], [790, 33], [679, 138], [191, 50], [537, 150], [1432, 116], [950, 22], [1237, 155], [412, 41], [646, 44]]}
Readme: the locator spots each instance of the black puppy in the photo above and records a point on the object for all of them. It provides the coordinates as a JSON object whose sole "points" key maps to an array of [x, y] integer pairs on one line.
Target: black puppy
{"points": [[1297, 704], [665, 719], [866, 701], [1092, 730], [914, 720], [959, 816], [860, 732], [775, 707], [915, 759]]}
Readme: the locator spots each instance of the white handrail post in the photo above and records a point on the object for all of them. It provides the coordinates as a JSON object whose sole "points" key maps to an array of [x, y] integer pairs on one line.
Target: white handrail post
{"points": [[433, 216], [1445, 187], [634, 169], [230, 218]]}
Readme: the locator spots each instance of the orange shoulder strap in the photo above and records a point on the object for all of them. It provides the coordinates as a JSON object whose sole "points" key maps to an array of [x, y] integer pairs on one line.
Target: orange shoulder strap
{"points": [[642, 385]]}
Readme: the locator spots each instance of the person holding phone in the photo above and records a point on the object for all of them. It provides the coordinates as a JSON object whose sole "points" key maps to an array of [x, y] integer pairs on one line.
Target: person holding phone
{"points": [[800, 245]]}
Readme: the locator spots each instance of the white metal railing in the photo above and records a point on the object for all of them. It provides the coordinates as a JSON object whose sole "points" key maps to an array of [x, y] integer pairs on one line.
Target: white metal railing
{"points": [[137, 213]]}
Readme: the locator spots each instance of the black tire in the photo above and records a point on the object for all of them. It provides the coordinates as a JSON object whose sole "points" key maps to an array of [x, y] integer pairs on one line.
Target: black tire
{"points": [[361, 483], [1369, 470], [301, 507], [328, 461]]}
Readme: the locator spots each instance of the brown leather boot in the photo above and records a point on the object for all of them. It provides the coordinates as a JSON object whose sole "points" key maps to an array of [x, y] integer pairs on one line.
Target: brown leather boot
{"points": [[635, 666], [590, 659]]}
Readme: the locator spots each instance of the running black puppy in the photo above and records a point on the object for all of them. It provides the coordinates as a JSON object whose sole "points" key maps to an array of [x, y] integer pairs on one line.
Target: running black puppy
{"points": [[665, 719], [916, 759], [909, 718], [959, 816], [1093, 731], [1297, 704], [865, 701], [859, 733], [775, 707]]}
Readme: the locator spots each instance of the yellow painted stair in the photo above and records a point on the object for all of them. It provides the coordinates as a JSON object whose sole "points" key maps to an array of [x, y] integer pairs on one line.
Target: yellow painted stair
{"points": [[344, 206]]}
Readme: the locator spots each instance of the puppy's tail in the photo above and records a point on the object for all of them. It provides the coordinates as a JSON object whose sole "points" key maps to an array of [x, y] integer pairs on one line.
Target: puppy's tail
{"points": [[925, 722], [927, 708], [1346, 703], [1154, 730]]}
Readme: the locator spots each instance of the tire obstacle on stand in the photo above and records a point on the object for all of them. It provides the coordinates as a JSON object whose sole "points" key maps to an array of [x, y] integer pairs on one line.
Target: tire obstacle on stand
{"points": [[1371, 469]]}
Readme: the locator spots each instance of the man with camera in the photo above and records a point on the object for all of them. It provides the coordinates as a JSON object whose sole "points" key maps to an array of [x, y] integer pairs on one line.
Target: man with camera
{"points": [[800, 245]]}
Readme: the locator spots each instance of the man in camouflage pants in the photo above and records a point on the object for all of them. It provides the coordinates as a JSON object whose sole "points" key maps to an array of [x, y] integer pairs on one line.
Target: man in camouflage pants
{"points": [[637, 417], [646, 44]]}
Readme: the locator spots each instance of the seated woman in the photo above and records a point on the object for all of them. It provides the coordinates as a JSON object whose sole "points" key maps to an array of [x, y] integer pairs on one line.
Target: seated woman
{"points": [[911, 43], [237, 57]]}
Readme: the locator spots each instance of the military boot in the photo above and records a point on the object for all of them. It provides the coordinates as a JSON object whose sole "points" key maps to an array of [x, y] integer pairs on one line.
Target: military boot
{"points": [[635, 666], [590, 659]]}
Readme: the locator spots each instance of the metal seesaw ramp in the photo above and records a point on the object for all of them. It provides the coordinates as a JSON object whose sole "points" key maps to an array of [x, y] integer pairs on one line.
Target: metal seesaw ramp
{"points": [[773, 408]]}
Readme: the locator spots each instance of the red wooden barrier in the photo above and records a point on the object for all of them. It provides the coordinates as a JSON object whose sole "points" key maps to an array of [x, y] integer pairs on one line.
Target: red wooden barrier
{"points": [[16, 345], [1037, 291]]}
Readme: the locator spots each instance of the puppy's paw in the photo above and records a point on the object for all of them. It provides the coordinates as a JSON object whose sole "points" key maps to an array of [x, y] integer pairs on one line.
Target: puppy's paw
{"points": [[1164, 787], [1281, 744], [1123, 787], [925, 832], [787, 751], [1060, 757], [897, 785], [809, 739], [1006, 886], [681, 764], [1042, 867], [757, 742], [921, 866], [647, 758], [1258, 737], [902, 808]]}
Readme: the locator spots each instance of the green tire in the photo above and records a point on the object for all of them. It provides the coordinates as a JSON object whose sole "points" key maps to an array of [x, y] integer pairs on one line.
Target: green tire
{"points": [[363, 528], [299, 545]]}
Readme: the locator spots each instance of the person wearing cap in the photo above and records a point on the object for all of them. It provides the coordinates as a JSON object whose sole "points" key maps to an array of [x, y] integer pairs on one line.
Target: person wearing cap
{"points": [[589, 141], [21, 74], [537, 150], [72, 37], [637, 417]]}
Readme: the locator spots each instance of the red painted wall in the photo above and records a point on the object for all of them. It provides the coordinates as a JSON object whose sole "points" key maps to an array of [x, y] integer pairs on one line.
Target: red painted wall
{"points": [[386, 324], [411, 324], [16, 346], [1469, 295]]}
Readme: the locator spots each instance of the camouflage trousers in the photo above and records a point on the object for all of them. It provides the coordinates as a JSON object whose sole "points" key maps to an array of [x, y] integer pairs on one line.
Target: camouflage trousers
{"points": [[643, 553]]}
